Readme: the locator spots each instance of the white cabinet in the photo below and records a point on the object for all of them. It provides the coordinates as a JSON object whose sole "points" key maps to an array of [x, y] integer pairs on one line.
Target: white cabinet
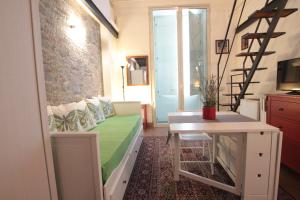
{"points": [[24, 170], [258, 163], [250, 108]]}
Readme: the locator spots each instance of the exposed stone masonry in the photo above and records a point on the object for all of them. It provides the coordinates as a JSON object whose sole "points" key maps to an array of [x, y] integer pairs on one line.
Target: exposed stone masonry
{"points": [[71, 52]]}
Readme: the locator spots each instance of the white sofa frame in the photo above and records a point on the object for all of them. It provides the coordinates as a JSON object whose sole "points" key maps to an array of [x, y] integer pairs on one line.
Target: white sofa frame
{"points": [[77, 165]]}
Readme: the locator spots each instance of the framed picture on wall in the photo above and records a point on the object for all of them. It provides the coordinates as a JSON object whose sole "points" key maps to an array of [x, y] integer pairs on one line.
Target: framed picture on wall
{"points": [[244, 44], [219, 46]]}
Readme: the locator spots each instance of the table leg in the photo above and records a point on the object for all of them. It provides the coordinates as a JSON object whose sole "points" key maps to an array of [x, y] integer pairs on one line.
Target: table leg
{"points": [[145, 116], [240, 162], [177, 157], [214, 148]]}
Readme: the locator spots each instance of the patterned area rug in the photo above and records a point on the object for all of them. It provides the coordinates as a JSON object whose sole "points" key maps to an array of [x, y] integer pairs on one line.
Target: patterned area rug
{"points": [[152, 176]]}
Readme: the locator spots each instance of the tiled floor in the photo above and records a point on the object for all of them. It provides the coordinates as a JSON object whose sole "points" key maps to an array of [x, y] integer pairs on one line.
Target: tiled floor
{"points": [[289, 180]]}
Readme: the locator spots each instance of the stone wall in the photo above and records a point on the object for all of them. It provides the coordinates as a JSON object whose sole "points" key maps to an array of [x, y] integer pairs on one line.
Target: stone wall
{"points": [[71, 52]]}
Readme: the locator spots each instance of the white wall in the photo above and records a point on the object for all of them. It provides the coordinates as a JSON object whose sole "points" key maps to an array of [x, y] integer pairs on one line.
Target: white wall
{"points": [[109, 52], [133, 21]]}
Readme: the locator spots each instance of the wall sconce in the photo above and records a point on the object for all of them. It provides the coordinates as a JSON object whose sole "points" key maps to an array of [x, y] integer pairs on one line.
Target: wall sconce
{"points": [[76, 30]]}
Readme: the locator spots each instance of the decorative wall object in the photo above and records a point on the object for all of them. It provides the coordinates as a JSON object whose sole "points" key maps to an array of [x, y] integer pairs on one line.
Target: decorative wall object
{"points": [[244, 44], [71, 52], [219, 46], [137, 70]]}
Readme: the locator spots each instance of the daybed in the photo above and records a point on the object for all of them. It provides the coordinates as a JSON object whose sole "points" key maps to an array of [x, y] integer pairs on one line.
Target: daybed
{"points": [[96, 165]]}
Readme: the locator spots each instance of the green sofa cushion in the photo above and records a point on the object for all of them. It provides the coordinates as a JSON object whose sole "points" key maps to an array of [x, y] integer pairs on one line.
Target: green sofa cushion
{"points": [[115, 135]]}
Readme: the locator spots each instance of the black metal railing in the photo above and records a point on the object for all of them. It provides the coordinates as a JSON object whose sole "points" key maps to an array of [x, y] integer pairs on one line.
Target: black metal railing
{"points": [[230, 47], [263, 46]]}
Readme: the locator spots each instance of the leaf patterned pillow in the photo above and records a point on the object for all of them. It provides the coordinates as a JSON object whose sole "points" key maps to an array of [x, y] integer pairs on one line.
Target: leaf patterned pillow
{"points": [[65, 118], [51, 120], [67, 122], [95, 108], [107, 106], [85, 117]]}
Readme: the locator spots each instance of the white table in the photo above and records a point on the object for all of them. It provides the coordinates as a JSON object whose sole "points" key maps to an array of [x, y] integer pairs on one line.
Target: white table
{"points": [[258, 159]]}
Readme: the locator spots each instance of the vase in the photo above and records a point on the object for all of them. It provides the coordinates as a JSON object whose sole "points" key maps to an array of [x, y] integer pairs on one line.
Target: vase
{"points": [[209, 113]]}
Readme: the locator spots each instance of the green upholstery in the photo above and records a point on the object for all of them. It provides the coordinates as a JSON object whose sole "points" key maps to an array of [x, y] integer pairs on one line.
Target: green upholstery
{"points": [[115, 134]]}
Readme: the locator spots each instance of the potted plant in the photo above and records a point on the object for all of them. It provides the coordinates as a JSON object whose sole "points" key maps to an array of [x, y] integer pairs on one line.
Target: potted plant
{"points": [[209, 98]]}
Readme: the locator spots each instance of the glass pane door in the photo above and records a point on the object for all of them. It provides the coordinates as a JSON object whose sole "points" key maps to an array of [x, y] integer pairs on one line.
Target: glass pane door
{"points": [[173, 68], [166, 63], [194, 48]]}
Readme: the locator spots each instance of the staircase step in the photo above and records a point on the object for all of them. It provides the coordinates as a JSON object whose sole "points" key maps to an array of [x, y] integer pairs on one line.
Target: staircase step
{"points": [[247, 69], [252, 82], [226, 104], [267, 14], [263, 13], [254, 53], [261, 35], [236, 94]]}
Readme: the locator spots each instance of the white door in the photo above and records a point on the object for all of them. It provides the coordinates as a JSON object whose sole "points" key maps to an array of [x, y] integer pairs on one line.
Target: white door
{"points": [[23, 169], [180, 59]]}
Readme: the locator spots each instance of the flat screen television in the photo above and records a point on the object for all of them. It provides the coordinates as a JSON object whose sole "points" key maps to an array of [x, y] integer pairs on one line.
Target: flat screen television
{"points": [[288, 76]]}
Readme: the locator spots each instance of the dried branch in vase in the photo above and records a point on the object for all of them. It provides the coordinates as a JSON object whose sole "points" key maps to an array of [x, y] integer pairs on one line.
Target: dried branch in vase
{"points": [[209, 90]]}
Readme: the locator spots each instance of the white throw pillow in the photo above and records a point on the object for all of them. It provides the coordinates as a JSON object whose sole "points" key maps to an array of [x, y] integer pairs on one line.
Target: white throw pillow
{"points": [[51, 120], [107, 106], [65, 117], [85, 117], [95, 108]]}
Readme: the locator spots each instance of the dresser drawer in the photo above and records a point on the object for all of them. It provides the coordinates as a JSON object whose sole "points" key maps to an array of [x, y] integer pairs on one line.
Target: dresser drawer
{"points": [[286, 109], [290, 153], [290, 143], [120, 187], [257, 163], [283, 111], [289, 128]]}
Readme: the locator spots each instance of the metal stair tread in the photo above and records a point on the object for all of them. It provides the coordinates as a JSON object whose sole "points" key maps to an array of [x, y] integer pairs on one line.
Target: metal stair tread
{"points": [[261, 35], [247, 69], [267, 14], [254, 53], [235, 94], [263, 13], [240, 82], [226, 104]]}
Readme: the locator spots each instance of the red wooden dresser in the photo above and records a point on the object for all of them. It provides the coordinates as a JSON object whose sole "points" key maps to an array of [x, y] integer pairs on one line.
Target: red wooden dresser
{"points": [[283, 111]]}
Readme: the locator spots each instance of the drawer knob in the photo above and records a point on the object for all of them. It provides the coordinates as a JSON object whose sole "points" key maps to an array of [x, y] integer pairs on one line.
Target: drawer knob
{"points": [[261, 133], [258, 175], [260, 154], [124, 181], [280, 109]]}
